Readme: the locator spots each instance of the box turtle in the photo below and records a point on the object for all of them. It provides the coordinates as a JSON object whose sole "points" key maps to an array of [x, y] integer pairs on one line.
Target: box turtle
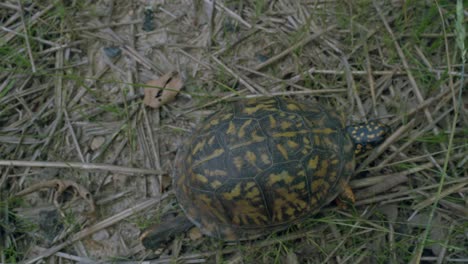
{"points": [[259, 165]]}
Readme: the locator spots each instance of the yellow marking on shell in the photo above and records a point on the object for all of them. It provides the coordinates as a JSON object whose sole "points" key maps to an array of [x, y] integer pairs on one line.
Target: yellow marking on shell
{"points": [[306, 141], [288, 200], [216, 153], [312, 164], [211, 140], [292, 107], [215, 184], [328, 142], [272, 121], [325, 131], [278, 205], [253, 194], [238, 162], [257, 138], [201, 178], [214, 172], [285, 134], [209, 204], [198, 146], [251, 110], [243, 144], [283, 151], [234, 193], [290, 133], [301, 173], [251, 157], [282, 176], [226, 117], [243, 210], [231, 129], [335, 161], [285, 125], [251, 101], [316, 140], [292, 144], [332, 176], [241, 132], [323, 169], [299, 186], [320, 188], [371, 136], [265, 158], [316, 185], [249, 185]]}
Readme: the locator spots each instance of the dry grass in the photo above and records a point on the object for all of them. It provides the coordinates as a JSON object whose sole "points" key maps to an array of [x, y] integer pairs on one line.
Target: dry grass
{"points": [[74, 131]]}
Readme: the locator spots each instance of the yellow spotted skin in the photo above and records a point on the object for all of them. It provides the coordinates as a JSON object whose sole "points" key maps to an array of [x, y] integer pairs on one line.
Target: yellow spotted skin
{"points": [[368, 135], [258, 165]]}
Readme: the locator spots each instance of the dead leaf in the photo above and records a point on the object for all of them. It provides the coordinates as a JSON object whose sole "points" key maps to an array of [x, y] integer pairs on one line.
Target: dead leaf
{"points": [[162, 90], [438, 233]]}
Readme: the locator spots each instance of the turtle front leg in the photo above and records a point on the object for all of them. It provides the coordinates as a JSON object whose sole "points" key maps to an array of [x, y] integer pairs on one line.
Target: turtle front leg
{"points": [[346, 196], [163, 232]]}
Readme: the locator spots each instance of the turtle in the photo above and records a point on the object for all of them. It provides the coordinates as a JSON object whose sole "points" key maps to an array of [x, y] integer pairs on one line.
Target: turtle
{"points": [[261, 165]]}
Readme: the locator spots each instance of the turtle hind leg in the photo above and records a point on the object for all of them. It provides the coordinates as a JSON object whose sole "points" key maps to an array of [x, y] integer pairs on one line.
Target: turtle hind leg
{"points": [[157, 234], [346, 197]]}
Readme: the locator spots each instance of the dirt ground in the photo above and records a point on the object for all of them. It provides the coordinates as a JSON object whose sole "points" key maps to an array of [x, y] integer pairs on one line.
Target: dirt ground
{"points": [[86, 164]]}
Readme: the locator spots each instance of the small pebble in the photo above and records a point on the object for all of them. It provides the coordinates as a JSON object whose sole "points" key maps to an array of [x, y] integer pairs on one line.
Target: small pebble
{"points": [[101, 235], [195, 233], [97, 142], [112, 52]]}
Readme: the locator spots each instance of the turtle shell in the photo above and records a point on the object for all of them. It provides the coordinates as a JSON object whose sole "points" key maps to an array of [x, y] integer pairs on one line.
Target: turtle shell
{"points": [[262, 164]]}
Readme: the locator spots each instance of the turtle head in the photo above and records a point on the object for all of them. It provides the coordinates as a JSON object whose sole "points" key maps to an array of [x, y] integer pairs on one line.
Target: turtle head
{"points": [[366, 136]]}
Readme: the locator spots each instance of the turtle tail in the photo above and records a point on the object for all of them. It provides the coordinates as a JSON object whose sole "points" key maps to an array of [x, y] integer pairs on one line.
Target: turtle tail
{"points": [[153, 236]]}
